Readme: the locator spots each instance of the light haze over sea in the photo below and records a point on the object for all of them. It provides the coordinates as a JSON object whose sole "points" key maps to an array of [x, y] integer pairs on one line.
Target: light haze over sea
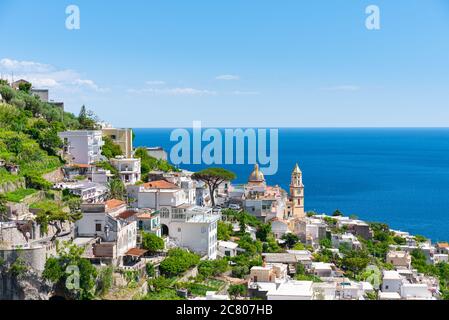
{"points": [[396, 176]]}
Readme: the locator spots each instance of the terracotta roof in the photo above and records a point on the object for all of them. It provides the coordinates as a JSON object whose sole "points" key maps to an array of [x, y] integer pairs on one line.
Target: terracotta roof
{"points": [[114, 203], [136, 252], [126, 214], [443, 245], [80, 165], [160, 184], [145, 216]]}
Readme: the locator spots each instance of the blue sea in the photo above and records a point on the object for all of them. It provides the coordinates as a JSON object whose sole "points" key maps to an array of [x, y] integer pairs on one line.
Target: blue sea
{"points": [[396, 176]]}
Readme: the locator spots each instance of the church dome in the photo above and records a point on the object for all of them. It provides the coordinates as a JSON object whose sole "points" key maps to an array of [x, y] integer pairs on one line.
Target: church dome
{"points": [[256, 175]]}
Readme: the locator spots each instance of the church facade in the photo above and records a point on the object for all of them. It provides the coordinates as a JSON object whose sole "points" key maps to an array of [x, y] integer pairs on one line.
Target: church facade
{"points": [[272, 202]]}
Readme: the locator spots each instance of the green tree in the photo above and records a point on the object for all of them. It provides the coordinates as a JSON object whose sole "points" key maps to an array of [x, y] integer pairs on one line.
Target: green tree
{"points": [[110, 149], [7, 93], [117, 189], [105, 280], [178, 261], [326, 243], [290, 239], [53, 216], [57, 271], [150, 270], [337, 213], [152, 242], [263, 232], [237, 290], [224, 231], [25, 87], [148, 163], [213, 177], [208, 268], [87, 119]]}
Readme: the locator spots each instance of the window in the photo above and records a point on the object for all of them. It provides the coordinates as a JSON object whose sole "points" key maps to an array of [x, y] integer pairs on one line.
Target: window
{"points": [[98, 227], [165, 213], [203, 229], [179, 229]]}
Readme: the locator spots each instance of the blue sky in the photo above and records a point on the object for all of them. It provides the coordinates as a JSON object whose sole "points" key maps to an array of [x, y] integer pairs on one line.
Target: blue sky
{"points": [[236, 63]]}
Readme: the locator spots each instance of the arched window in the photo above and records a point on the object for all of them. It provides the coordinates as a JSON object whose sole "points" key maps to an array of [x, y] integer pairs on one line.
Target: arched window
{"points": [[165, 213]]}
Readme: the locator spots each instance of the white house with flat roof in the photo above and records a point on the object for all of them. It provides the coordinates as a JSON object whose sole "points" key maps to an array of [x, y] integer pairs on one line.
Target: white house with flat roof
{"points": [[392, 281], [292, 290], [194, 228], [415, 291], [227, 248], [128, 169], [82, 146]]}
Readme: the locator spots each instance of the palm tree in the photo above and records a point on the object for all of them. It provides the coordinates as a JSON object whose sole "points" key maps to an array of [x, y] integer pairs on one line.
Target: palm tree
{"points": [[117, 189]]}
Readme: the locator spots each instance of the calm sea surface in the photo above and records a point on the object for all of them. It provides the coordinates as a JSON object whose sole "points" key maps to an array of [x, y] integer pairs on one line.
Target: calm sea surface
{"points": [[397, 176]]}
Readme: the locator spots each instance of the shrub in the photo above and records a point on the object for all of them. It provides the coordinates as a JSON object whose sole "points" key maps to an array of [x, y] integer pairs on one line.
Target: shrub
{"points": [[149, 268], [152, 242], [178, 262], [210, 268]]}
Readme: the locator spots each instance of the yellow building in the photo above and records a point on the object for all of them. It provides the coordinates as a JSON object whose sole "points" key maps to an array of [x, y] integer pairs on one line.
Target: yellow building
{"points": [[121, 137]]}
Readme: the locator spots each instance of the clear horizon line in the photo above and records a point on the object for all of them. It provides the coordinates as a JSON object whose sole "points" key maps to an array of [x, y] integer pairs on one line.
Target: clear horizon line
{"points": [[287, 127]]}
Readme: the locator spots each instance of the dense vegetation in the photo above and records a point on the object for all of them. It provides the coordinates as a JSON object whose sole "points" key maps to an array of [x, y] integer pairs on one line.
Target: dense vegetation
{"points": [[149, 163], [29, 134], [178, 261]]}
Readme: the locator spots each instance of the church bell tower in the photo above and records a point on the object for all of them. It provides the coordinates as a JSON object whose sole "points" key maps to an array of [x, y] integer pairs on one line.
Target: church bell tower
{"points": [[297, 193]]}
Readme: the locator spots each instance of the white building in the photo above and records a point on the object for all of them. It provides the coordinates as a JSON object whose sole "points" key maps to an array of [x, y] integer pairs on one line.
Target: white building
{"points": [[415, 291], [194, 228], [292, 290], [159, 195], [279, 228], [90, 192], [346, 239], [389, 296], [440, 257], [102, 221], [322, 269], [227, 248], [82, 146], [128, 169], [392, 281], [188, 226]]}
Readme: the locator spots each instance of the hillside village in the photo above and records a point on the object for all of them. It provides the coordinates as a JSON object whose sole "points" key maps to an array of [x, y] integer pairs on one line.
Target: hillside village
{"points": [[76, 196]]}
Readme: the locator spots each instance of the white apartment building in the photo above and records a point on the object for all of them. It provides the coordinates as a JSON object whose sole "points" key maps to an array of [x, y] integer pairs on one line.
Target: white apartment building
{"points": [[128, 169], [157, 195], [82, 146], [102, 221], [187, 225], [194, 228], [90, 192]]}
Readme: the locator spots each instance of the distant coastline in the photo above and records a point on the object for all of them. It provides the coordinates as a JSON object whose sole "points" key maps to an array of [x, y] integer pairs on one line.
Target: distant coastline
{"points": [[399, 176]]}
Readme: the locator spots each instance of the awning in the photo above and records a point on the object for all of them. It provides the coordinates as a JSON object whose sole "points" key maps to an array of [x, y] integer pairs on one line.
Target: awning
{"points": [[135, 252]]}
